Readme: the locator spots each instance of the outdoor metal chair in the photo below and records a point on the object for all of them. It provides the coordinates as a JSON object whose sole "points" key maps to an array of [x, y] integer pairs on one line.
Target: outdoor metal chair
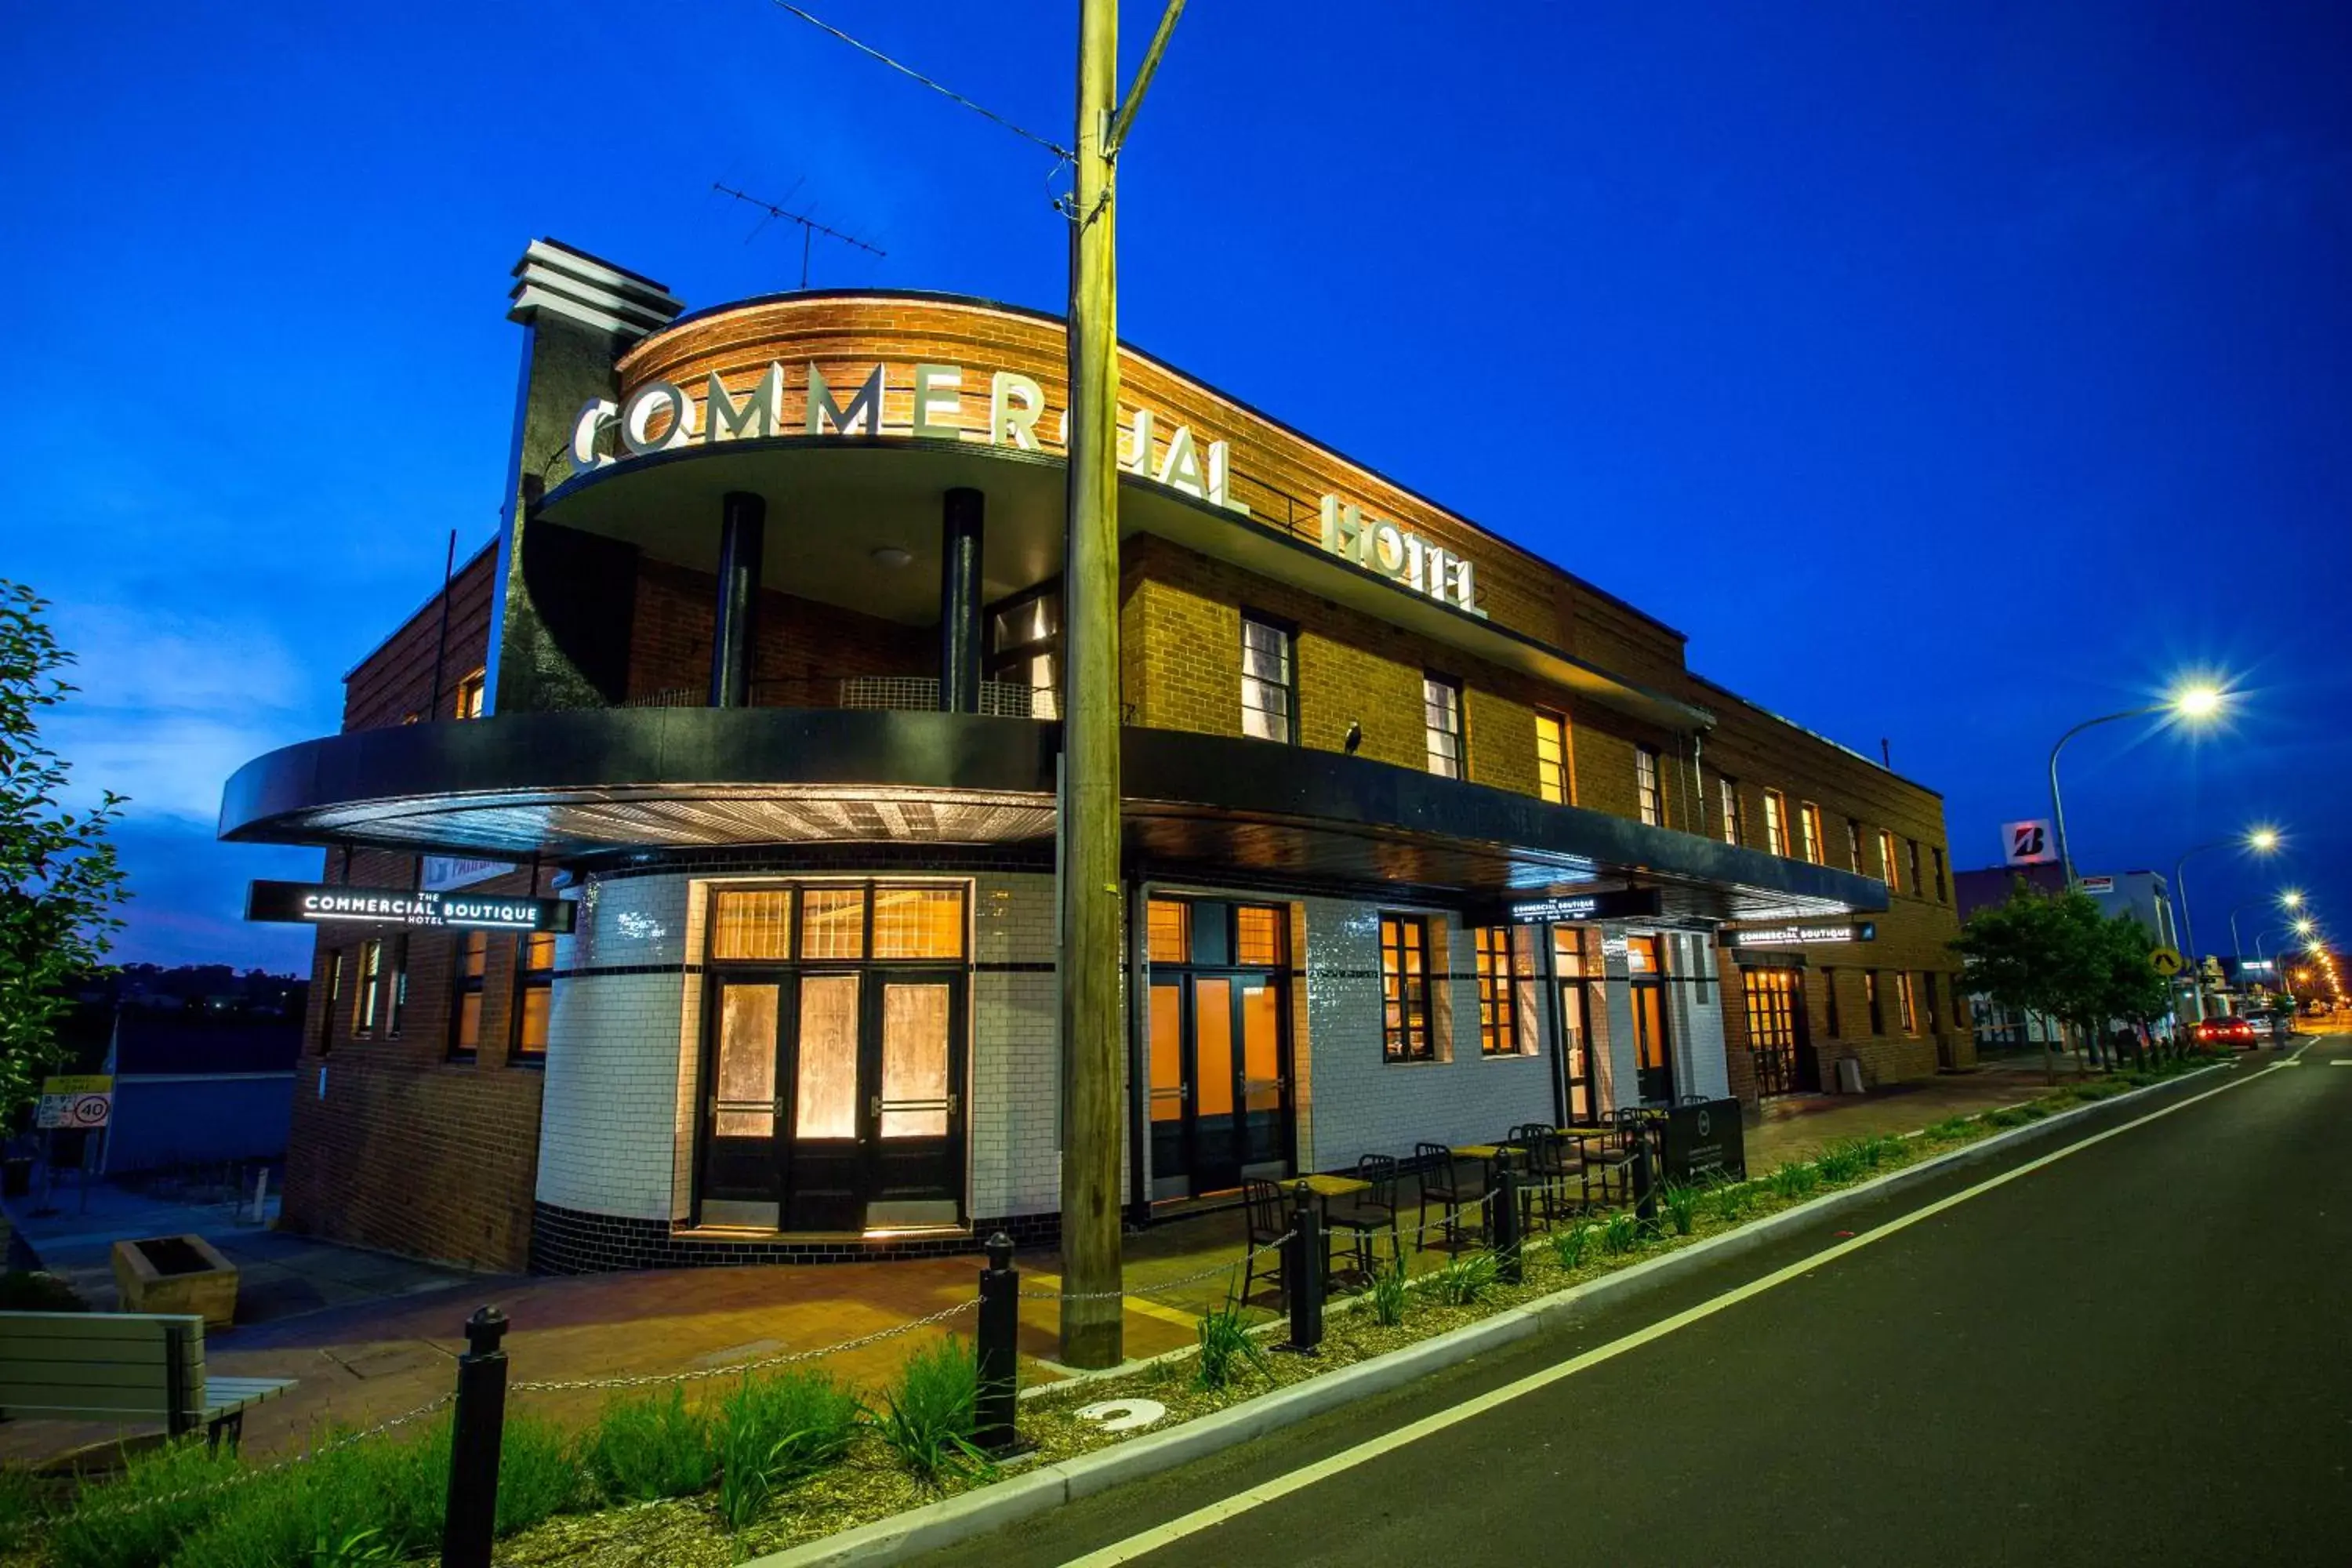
{"points": [[1369, 1213], [1267, 1225], [1545, 1191], [1443, 1180], [1607, 1163]]}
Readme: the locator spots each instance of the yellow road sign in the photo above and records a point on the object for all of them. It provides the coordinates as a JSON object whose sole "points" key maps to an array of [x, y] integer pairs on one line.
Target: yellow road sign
{"points": [[78, 1083], [2166, 961]]}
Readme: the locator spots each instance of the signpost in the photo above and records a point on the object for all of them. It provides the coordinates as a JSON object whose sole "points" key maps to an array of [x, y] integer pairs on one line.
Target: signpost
{"points": [[83, 1102], [1705, 1140], [2164, 961]]}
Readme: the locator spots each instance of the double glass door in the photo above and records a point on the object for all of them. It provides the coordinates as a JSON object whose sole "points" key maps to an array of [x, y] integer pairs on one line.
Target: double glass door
{"points": [[1776, 1031], [1221, 1094], [836, 1100]]}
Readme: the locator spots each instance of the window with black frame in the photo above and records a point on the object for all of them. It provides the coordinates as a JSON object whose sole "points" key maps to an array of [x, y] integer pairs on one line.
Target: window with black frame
{"points": [[1441, 701], [1269, 682], [1024, 651], [1404, 989], [469, 964], [534, 996], [1498, 993]]}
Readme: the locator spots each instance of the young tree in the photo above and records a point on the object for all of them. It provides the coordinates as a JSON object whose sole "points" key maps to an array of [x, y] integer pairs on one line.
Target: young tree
{"points": [[59, 882], [2135, 994], [2037, 954]]}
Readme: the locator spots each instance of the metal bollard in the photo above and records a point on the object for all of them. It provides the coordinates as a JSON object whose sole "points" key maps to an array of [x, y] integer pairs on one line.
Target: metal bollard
{"points": [[474, 1438], [1302, 1271], [1645, 1193], [1507, 1219], [999, 1350]]}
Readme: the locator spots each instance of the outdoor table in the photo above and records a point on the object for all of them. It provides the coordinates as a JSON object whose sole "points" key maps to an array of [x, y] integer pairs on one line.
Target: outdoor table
{"points": [[1325, 1189], [1476, 1151]]}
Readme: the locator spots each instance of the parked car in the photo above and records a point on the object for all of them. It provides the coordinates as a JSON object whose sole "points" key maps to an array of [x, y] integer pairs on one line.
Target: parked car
{"points": [[2232, 1032]]}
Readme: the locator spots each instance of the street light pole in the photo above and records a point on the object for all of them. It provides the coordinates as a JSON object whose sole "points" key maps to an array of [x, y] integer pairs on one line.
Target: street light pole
{"points": [[2057, 802]]}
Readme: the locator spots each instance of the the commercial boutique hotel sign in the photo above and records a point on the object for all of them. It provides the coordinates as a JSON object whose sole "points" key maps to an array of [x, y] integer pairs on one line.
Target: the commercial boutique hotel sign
{"points": [[660, 415]]}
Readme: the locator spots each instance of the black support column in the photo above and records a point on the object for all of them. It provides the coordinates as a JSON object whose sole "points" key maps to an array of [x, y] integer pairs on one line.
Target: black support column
{"points": [[742, 540], [959, 590]]}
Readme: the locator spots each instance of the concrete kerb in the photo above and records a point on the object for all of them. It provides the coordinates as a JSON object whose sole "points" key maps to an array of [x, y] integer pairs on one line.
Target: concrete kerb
{"points": [[957, 1518]]}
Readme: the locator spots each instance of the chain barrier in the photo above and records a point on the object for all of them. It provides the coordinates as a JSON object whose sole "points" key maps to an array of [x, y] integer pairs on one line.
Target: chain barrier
{"points": [[247, 1477], [737, 1369]]}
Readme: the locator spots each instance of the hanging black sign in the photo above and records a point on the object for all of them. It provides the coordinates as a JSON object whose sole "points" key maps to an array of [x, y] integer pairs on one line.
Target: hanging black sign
{"points": [[316, 903], [1628, 904]]}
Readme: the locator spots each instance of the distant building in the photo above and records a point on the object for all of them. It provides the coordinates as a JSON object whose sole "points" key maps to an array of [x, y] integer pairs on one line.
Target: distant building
{"points": [[198, 1086], [2142, 895]]}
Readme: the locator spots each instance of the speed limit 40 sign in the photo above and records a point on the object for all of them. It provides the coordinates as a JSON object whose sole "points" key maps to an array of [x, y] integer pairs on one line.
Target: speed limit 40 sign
{"points": [[85, 1101]]}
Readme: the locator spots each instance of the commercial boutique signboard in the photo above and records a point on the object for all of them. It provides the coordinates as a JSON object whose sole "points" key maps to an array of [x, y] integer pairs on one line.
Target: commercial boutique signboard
{"points": [[316, 903], [1803, 933], [1628, 904]]}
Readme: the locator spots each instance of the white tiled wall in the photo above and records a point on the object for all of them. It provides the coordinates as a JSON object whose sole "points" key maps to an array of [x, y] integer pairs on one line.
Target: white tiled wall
{"points": [[1363, 1104], [607, 1143]]}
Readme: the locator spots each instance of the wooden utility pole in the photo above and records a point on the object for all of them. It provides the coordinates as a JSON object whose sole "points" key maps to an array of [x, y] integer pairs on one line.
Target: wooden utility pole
{"points": [[1091, 953]]}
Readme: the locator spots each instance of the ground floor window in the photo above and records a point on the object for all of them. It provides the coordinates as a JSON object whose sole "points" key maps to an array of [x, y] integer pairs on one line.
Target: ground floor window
{"points": [[1404, 989], [1775, 1002], [1502, 1028], [534, 995], [471, 967], [367, 994], [1906, 1004]]}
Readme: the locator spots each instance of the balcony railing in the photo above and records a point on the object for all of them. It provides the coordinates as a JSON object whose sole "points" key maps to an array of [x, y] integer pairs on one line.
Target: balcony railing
{"points": [[906, 693]]}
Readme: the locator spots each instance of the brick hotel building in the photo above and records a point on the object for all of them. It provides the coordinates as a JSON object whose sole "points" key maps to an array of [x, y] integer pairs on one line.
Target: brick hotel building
{"points": [[1425, 837]]}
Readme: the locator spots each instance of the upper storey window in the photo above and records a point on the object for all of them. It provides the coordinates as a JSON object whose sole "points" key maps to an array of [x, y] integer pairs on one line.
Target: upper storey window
{"points": [[1551, 758], [1730, 790], [470, 695], [1646, 786], [1441, 701], [1269, 682], [1776, 822], [1025, 647]]}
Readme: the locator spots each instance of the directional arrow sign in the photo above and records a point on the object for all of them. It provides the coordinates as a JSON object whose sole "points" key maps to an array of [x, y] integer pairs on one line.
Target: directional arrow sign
{"points": [[2164, 961]]}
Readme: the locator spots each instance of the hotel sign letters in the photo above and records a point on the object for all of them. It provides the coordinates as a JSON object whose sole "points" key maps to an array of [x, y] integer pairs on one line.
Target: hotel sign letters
{"points": [[312, 904], [660, 415]]}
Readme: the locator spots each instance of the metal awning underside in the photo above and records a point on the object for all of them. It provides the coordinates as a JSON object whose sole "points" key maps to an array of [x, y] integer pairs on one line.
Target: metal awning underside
{"points": [[588, 786]]}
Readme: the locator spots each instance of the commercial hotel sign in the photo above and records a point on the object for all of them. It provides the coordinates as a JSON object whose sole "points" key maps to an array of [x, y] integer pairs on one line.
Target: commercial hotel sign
{"points": [[944, 401], [313, 903]]}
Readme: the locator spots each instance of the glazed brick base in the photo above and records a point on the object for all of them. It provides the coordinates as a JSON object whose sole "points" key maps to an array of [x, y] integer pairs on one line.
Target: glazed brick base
{"points": [[568, 1241]]}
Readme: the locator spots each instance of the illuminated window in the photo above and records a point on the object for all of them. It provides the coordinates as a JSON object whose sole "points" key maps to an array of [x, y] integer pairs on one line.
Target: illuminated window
{"points": [[1567, 952], [752, 923], [334, 1000], [1886, 861], [534, 993], [1167, 931], [1869, 995], [1405, 990], [470, 695], [1269, 688], [1025, 646], [1727, 789], [1646, 786], [833, 923], [365, 997], [1641, 955], [1776, 822], [1551, 758], [1853, 845], [919, 923], [1498, 993], [1809, 830], [472, 963], [1257, 936], [1904, 1002], [1441, 702]]}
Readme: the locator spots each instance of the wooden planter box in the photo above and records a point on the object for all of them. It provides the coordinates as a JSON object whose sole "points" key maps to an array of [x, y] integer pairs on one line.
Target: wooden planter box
{"points": [[176, 1274]]}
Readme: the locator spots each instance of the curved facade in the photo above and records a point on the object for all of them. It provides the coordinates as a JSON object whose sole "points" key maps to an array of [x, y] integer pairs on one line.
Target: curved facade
{"points": [[1423, 836]]}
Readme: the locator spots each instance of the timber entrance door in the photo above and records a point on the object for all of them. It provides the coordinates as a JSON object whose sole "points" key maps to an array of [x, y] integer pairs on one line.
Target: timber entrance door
{"points": [[1653, 1054], [1220, 1046], [1778, 1034], [834, 1082]]}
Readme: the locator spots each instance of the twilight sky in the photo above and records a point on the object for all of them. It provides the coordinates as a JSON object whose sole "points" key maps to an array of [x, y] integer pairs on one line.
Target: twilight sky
{"points": [[1947, 378]]}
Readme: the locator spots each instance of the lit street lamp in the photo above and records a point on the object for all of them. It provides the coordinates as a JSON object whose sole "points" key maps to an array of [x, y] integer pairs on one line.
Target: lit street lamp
{"points": [[2289, 899], [2195, 702], [2261, 841]]}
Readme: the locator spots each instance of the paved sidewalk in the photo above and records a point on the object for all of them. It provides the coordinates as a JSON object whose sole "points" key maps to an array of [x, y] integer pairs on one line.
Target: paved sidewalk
{"points": [[369, 1337]]}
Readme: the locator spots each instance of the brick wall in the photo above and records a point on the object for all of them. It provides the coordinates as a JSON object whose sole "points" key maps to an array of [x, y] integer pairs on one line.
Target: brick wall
{"points": [[802, 645]]}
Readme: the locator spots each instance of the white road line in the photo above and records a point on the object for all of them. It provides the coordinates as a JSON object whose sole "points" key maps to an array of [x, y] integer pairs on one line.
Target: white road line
{"points": [[1144, 1542]]}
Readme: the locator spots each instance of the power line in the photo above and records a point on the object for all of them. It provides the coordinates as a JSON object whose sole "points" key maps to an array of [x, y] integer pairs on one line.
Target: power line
{"points": [[1047, 142], [810, 228]]}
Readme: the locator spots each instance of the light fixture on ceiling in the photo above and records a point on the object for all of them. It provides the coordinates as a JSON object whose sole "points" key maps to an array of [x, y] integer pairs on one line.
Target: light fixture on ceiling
{"points": [[892, 555]]}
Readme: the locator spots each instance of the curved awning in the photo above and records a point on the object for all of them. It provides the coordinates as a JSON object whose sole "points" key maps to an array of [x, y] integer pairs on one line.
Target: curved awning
{"points": [[584, 786]]}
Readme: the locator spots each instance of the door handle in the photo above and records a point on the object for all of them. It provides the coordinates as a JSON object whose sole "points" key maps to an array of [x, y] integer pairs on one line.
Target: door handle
{"points": [[876, 1104], [953, 1100]]}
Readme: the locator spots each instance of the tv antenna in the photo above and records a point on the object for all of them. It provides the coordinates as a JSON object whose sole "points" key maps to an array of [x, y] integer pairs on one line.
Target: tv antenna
{"points": [[810, 228]]}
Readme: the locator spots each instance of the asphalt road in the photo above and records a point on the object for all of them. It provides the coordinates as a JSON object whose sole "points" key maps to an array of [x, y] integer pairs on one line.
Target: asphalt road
{"points": [[2140, 1353]]}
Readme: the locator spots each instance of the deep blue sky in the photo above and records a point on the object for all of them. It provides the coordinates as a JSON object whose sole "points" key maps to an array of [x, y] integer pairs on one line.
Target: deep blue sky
{"points": [[1947, 377]]}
